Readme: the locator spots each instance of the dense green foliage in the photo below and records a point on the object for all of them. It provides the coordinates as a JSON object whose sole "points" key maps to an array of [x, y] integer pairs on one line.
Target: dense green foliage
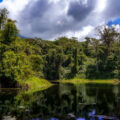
{"points": [[65, 57]]}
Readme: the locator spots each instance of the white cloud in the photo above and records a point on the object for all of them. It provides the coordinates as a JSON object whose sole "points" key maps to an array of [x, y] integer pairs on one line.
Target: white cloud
{"points": [[117, 27], [14, 6], [80, 34], [101, 5], [49, 19]]}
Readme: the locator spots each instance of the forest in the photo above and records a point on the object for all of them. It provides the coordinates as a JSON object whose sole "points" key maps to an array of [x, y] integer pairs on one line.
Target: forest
{"points": [[62, 58]]}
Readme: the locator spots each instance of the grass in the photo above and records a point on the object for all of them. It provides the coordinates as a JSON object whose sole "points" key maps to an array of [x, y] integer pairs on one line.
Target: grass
{"points": [[85, 81], [35, 84]]}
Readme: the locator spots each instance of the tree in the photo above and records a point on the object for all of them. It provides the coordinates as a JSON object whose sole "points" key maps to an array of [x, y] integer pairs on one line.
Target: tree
{"points": [[10, 32], [104, 53], [74, 69], [117, 53], [3, 17], [53, 64], [15, 67], [107, 37], [37, 64], [86, 46], [96, 47]]}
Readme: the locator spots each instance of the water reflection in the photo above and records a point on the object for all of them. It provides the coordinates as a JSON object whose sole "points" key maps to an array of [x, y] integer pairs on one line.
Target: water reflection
{"points": [[63, 102]]}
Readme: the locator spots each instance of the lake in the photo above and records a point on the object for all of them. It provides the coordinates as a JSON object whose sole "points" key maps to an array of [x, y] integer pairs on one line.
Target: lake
{"points": [[62, 102]]}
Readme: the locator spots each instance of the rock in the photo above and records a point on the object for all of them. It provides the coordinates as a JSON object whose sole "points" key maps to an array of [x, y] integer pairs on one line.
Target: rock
{"points": [[9, 118], [21, 107]]}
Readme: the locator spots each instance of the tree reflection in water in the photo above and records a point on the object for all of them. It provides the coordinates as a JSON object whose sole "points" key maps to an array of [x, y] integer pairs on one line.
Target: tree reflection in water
{"points": [[63, 102]]}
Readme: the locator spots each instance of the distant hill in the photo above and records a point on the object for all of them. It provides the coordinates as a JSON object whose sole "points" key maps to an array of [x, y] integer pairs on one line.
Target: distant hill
{"points": [[23, 37]]}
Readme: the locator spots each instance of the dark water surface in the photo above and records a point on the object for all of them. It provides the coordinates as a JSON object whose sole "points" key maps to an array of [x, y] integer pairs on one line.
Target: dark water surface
{"points": [[62, 102]]}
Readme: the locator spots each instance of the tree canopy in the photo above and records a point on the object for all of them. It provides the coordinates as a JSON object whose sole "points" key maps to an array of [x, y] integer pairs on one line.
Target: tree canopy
{"points": [[63, 58]]}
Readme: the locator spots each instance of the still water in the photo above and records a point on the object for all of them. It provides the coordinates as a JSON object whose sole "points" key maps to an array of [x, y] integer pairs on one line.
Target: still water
{"points": [[62, 102]]}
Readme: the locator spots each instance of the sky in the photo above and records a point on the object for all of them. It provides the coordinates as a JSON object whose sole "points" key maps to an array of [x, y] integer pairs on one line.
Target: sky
{"points": [[50, 19]]}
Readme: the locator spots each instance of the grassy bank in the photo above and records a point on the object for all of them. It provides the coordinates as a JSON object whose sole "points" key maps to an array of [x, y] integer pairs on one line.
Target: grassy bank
{"points": [[35, 84], [85, 81]]}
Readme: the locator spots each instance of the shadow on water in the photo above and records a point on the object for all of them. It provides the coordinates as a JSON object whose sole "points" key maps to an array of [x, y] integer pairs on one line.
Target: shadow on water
{"points": [[62, 102]]}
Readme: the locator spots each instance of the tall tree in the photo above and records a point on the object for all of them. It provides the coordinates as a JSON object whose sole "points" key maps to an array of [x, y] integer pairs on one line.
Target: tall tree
{"points": [[107, 37], [53, 64], [86, 46], [117, 53], [10, 32], [75, 63], [96, 46], [3, 17]]}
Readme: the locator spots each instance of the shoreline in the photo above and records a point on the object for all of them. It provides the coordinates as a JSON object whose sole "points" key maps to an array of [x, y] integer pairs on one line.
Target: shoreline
{"points": [[91, 81], [36, 84]]}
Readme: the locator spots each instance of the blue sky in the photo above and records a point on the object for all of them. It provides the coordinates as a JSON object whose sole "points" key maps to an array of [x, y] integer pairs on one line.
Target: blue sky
{"points": [[50, 19], [1, 0], [114, 22]]}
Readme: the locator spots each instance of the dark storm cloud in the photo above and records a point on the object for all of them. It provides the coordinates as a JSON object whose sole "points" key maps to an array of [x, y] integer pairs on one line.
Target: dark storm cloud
{"points": [[34, 17], [112, 9], [45, 19], [79, 11], [35, 10]]}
